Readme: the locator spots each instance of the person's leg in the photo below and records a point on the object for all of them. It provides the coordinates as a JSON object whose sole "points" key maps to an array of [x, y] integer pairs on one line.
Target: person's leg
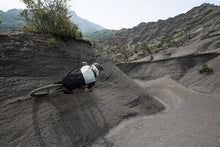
{"points": [[68, 91]]}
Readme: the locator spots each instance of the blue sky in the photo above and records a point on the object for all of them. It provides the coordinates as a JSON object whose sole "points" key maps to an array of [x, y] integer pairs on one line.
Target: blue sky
{"points": [[118, 14]]}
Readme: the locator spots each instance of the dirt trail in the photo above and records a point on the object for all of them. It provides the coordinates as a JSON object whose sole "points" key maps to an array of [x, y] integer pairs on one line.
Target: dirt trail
{"points": [[27, 62], [191, 119], [183, 69]]}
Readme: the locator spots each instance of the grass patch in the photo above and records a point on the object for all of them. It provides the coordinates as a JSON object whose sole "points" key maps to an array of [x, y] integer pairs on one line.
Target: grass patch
{"points": [[51, 42], [205, 69], [195, 88]]}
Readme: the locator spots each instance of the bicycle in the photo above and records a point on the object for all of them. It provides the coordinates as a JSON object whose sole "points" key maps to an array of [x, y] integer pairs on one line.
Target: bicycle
{"points": [[47, 90], [52, 89]]}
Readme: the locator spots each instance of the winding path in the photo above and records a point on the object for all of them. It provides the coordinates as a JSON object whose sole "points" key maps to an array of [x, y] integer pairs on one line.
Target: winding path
{"points": [[190, 119]]}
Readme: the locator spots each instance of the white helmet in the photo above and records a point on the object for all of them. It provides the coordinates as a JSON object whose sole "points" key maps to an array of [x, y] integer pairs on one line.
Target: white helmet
{"points": [[96, 68]]}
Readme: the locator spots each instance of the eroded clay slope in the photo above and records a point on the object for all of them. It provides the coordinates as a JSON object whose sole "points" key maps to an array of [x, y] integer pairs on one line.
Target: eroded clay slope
{"points": [[27, 62]]}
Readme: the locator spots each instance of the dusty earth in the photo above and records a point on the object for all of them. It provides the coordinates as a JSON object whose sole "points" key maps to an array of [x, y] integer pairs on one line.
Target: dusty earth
{"points": [[165, 102], [192, 99], [182, 64], [191, 119], [27, 61]]}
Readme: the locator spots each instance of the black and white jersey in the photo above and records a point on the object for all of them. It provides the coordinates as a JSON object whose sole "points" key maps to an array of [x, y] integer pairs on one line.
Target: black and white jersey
{"points": [[79, 77]]}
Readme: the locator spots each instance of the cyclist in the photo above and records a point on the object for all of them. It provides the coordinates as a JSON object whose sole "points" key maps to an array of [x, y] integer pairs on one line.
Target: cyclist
{"points": [[83, 77]]}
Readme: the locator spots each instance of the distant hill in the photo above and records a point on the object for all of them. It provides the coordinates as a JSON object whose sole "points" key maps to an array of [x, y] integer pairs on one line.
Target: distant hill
{"points": [[148, 39], [10, 22], [85, 25], [97, 35]]}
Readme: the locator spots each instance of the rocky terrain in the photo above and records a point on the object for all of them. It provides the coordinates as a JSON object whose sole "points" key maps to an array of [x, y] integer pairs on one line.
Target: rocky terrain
{"points": [[201, 23], [190, 119], [28, 61], [177, 62], [184, 70], [177, 47], [170, 98]]}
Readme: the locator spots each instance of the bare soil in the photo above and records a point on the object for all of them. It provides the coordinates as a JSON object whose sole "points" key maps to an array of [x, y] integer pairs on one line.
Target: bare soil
{"points": [[27, 62]]}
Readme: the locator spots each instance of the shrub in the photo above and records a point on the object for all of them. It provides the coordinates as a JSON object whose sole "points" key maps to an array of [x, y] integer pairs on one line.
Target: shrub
{"points": [[197, 89], [186, 28], [180, 34], [205, 69], [145, 47], [51, 42], [136, 49], [151, 57], [93, 45], [49, 17]]}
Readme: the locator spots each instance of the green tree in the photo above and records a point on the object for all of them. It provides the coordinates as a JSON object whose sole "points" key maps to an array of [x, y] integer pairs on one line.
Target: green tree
{"points": [[136, 49], [49, 17], [146, 48]]}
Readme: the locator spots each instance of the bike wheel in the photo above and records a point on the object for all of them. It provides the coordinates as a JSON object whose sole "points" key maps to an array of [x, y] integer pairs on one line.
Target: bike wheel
{"points": [[46, 90]]}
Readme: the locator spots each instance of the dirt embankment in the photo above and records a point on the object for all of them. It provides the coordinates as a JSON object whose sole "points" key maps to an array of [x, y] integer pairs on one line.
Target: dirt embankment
{"points": [[27, 62], [190, 119], [184, 69]]}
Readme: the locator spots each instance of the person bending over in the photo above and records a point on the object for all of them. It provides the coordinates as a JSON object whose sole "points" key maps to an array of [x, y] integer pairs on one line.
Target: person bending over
{"points": [[84, 77]]}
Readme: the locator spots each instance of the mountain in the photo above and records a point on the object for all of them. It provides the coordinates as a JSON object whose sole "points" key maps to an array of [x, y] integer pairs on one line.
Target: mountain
{"points": [[97, 35], [85, 25], [13, 12], [10, 22], [148, 39]]}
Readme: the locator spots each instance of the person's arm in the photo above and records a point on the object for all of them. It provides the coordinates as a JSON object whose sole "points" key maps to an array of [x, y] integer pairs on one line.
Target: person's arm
{"points": [[89, 87], [87, 90]]}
